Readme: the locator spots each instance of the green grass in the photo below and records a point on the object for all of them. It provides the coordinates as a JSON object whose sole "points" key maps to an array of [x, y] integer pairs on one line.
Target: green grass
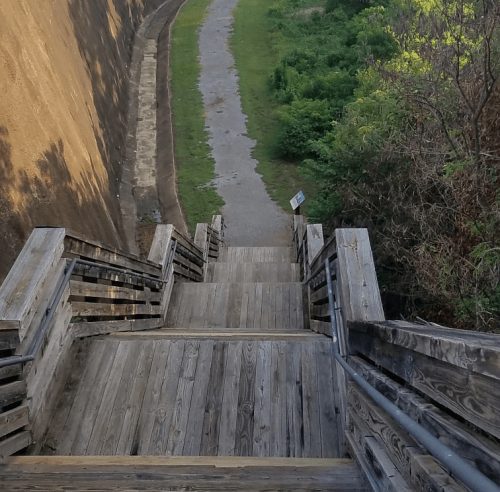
{"points": [[195, 166], [257, 51]]}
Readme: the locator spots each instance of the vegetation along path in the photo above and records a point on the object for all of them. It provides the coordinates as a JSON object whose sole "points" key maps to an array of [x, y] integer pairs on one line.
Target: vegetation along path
{"points": [[251, 217]]}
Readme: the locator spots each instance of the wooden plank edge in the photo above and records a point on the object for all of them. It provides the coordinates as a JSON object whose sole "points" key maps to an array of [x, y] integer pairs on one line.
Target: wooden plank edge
{"points": [[174, 461]]}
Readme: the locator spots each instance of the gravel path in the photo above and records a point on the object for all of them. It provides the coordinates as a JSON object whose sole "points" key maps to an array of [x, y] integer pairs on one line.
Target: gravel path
{"points": [[251, 217]]}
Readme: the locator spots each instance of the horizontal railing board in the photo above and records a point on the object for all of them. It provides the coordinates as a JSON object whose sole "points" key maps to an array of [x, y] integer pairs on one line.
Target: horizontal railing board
{"points": [[186, 263], [462, 439], [81, 247], [12, 392], [479, 352], [377, 467], [420, 470], [10, 371], [9, 339], [472, 395], [13, 420], [112, 292], [98, 309], [187, 274], [103, 274], [15, 443]]}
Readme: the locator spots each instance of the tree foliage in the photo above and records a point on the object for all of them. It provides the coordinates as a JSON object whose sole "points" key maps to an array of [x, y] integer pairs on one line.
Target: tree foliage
{"points": [[396, 117]]}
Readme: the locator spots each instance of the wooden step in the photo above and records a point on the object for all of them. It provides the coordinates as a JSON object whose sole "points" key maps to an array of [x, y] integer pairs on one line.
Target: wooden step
{"points": [[252, 272], [218, 333], [266, 306], [274, 254], [151, 473]]}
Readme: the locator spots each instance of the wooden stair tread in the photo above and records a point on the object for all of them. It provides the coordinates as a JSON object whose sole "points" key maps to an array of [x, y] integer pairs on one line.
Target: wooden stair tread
{"points": [[237, 305], [252, 272], [242, 254], [85, 473], [220, 333]]}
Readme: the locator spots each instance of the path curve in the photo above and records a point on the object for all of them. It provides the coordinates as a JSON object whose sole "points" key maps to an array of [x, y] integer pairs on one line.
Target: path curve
{"points": [[251, 217]]}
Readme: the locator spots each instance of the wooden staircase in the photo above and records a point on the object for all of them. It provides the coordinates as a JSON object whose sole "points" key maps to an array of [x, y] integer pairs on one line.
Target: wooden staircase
{"points": [[234, 393]]}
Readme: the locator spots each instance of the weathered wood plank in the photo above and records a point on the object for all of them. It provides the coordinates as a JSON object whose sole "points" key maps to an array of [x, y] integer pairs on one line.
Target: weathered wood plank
{"points": [[14, 444], [294, 401], [13, 420], [322, 327], [90, 329], [61, 436], [331, 414], [229, 409], [161, 245], [479, 352], [211, 421], [9, 339], [49, 370], [217, 223], [180, 413], [144, 430], [128, 280], [278, 434], [34, 266], [12, 392], [84, 309], [10, 371], [314, 242], [189, 275], [360, 293], [193, 437], [377, 467], [262, 405], [112, 292], [87, 402], [156, 474], [118, 374], [164, 411], [471, 395], [246, 400], [469, 445], [310, 402], [79, 357], [135, 400], [76, 245], [108, 439], [404, 451]]}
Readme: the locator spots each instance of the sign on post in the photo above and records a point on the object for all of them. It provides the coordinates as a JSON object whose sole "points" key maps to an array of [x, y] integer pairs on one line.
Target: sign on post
{"points": [[297, 200]]}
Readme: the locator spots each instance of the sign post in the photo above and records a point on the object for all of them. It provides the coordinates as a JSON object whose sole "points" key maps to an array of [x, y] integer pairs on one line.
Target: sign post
{"points": [[296, 201]]}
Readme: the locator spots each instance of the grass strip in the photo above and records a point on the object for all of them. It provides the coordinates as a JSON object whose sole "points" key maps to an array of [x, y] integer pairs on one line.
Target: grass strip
{"points": [[192, 152], [257, 51]]}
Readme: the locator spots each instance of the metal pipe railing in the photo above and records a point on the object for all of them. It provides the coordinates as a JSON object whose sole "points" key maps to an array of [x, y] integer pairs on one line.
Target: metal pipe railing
{"points": [[454, 464]]}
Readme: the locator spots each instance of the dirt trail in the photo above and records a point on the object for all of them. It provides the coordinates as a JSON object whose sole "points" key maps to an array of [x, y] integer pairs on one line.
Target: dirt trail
{"points": [[251, 217]]}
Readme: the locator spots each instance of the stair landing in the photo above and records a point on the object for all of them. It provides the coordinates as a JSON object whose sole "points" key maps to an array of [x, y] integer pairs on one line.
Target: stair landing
{"points": [[198, 397]]}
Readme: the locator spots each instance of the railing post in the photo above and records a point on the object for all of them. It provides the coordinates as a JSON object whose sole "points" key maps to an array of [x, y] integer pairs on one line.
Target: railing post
{"points": [[159, 253]]}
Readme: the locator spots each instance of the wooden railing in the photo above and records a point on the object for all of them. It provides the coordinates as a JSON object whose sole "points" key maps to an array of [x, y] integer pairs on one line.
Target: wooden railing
{"points": [[445, 379], [64, 286]]}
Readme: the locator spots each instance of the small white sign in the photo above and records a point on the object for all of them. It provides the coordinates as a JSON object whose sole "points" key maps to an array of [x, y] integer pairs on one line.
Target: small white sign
{"points": [[297, 200]]}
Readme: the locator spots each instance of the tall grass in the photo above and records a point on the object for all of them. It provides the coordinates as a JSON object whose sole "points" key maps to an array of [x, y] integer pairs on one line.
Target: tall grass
{"points": [[195, 166]]}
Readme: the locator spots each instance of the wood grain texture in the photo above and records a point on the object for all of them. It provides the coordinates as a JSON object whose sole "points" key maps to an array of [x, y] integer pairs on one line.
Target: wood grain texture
{"points": [[360, 298], [34, 266], [469, 394], [469, 445], [246, 400]]}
